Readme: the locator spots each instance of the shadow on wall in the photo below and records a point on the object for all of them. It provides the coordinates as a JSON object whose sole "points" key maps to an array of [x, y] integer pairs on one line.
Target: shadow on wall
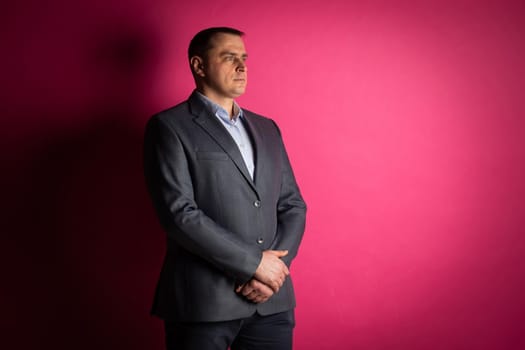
{"points": [[84, 247]]}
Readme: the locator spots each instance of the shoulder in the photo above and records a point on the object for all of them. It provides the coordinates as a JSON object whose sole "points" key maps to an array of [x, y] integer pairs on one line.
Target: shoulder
{"points": [[175, 113], [255, 116], [261, 121], [178, 117], [169, 122]]}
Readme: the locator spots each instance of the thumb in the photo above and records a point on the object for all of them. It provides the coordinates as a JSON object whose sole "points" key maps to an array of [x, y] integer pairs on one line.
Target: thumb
{"points": [[279, 253]]}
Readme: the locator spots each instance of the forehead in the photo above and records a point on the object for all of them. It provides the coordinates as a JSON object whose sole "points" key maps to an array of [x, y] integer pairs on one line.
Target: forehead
{"points": [[227, 42]]}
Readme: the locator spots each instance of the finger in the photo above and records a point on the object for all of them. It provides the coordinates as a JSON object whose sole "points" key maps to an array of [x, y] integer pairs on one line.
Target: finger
{"points": [[274, 286], [264, 292], [239, 288], [253, 296], [281, 280], [262, 288], [263, 298], [247, 290], [250, 297], [259, 298]]}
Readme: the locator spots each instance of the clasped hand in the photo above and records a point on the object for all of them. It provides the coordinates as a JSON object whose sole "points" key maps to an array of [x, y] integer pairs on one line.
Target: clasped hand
{"points": [[268, 279]]}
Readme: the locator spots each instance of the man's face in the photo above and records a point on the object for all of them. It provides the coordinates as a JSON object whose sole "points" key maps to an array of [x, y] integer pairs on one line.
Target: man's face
{"points": [[224, 70]]}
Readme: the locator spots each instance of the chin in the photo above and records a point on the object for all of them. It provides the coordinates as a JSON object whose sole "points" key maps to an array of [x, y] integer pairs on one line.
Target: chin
{"points": [[238, 92]]}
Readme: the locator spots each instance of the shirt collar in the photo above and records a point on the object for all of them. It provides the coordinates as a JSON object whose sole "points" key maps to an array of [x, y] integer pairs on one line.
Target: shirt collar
{"points": [[219, 111]]}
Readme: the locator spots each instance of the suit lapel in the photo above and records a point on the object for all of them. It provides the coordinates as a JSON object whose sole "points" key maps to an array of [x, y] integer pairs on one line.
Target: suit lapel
{"points": [[257, 144], [214, 128]]}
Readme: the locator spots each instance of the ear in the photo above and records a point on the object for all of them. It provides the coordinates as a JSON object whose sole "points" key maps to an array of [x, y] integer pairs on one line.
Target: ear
{"points": [[197, 65]]}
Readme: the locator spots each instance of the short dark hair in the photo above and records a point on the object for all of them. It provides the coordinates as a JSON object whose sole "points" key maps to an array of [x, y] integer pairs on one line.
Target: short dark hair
{"points": [[201, 42]]}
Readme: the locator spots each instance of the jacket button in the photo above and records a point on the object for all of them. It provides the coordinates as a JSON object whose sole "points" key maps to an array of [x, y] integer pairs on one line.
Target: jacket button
{"points": [[257, 204], [260, 240]]}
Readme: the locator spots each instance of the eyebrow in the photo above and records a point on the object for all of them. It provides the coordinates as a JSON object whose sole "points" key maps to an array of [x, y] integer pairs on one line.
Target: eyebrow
{"points": [[229, 53]]}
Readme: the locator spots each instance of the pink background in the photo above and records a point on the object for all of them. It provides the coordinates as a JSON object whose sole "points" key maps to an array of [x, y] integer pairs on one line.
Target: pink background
{"points": [[405, 123]]}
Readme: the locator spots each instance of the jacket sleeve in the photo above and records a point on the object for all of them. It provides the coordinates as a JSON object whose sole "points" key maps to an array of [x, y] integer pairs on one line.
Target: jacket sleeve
{"points": [[170, 186], [291, 211]]}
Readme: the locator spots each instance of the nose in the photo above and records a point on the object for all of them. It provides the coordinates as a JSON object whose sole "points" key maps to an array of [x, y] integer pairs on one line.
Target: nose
{"points": [[241, 65]]}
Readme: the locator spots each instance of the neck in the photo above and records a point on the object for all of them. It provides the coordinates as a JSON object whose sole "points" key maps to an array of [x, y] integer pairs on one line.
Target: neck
{"points": [[224, 102]]}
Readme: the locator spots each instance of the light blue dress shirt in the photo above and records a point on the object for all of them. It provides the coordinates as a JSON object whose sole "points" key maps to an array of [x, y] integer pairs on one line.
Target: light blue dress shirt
{"points": [[235, 128]]}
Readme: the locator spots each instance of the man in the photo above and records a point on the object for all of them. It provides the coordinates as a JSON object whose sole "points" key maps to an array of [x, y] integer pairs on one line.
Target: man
{"points": [[225, 193]]}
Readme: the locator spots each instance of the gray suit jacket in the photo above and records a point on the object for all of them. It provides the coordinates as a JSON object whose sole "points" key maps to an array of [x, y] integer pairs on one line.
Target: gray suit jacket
{"points": [[218, 221]]}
